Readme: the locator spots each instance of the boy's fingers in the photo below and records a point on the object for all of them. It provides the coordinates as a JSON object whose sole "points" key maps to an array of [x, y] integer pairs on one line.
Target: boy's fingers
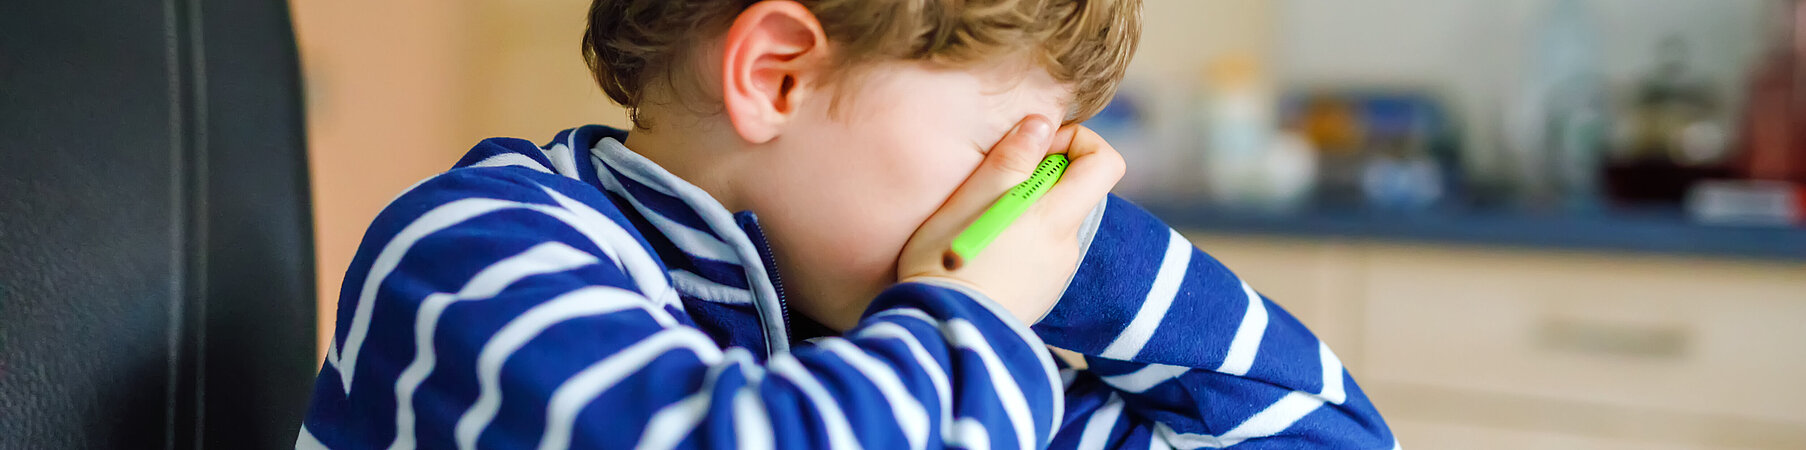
{"points": [[1019, 152], [1010, 162], [1062, 139], [1094, 169]]}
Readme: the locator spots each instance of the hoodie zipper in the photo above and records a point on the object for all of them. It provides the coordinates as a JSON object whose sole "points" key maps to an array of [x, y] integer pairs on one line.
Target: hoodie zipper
{"points": [[750, 225]]}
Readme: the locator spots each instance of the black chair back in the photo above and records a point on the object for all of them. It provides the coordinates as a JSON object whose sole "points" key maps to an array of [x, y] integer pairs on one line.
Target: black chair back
{"points": [[156, 262]]}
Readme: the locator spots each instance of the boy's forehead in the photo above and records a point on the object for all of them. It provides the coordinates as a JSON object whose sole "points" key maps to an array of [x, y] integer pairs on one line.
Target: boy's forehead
{"points": [[1010, 100], [1004, 108]]}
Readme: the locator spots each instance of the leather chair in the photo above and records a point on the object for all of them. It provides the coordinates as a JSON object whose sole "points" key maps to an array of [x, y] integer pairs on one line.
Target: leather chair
{"points": [[156, 244]]}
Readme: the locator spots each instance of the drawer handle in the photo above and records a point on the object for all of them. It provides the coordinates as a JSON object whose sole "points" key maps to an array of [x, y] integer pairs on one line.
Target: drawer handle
{"points": [[1616, 339]]}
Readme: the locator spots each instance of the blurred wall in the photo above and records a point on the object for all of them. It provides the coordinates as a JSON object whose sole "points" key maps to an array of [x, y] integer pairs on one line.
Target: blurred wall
{"points": [[1473, 54], [1179, 37], [380, 79], [528, 77], [398, 90]]}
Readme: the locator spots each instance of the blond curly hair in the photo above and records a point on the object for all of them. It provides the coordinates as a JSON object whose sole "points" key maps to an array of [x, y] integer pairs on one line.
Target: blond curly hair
{"points": [[1084, 44]]}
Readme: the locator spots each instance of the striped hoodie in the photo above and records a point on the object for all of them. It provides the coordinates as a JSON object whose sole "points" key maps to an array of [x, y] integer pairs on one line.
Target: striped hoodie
{"points": [[577, 295]]}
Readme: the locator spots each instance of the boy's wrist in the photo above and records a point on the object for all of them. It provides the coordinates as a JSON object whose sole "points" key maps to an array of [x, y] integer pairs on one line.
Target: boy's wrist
{"points": [[1003, 310]]}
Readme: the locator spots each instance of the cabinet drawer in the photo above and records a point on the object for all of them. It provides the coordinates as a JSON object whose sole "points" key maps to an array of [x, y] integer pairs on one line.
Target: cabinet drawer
{"points": [[1416, 434], [1697, 337]]}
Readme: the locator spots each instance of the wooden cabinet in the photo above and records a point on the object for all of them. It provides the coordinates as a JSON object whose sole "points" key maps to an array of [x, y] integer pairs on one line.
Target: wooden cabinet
{"points": [[1551, 349]]}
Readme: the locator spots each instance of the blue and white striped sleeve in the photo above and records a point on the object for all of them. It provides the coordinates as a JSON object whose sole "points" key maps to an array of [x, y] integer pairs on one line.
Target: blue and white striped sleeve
{"points": [[499, 307], [1182, 350]]}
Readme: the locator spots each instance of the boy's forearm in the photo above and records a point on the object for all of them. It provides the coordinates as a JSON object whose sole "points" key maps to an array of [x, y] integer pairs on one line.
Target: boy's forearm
{"points": [[1138, 273], [1162, 322]]}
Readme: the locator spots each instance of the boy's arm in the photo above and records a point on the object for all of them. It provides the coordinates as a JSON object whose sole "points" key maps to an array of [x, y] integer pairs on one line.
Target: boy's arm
{"points": [[500, 308], [1192, 354]]}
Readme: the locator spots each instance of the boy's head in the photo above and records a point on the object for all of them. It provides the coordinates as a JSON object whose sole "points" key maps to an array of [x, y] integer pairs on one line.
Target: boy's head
{"points": [[634, 46], [846, 123]]}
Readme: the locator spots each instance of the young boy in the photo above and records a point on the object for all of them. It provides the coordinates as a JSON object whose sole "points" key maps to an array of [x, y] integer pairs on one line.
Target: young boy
{"points": [[758, 264]]}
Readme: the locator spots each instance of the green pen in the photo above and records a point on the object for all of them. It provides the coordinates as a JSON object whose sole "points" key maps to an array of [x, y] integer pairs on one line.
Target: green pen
{"points": [[1004, 212]]}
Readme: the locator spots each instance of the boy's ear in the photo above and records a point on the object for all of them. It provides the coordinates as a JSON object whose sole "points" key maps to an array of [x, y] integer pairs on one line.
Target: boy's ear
{"points": [[770, 59]]}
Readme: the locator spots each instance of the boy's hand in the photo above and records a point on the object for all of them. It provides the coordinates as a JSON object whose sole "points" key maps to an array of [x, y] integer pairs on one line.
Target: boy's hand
{"points": [[1027, 267]]}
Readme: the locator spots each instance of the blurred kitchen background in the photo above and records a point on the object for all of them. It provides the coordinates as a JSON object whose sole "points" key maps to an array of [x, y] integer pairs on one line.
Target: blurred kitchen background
{"points": [[1553, 224]]}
